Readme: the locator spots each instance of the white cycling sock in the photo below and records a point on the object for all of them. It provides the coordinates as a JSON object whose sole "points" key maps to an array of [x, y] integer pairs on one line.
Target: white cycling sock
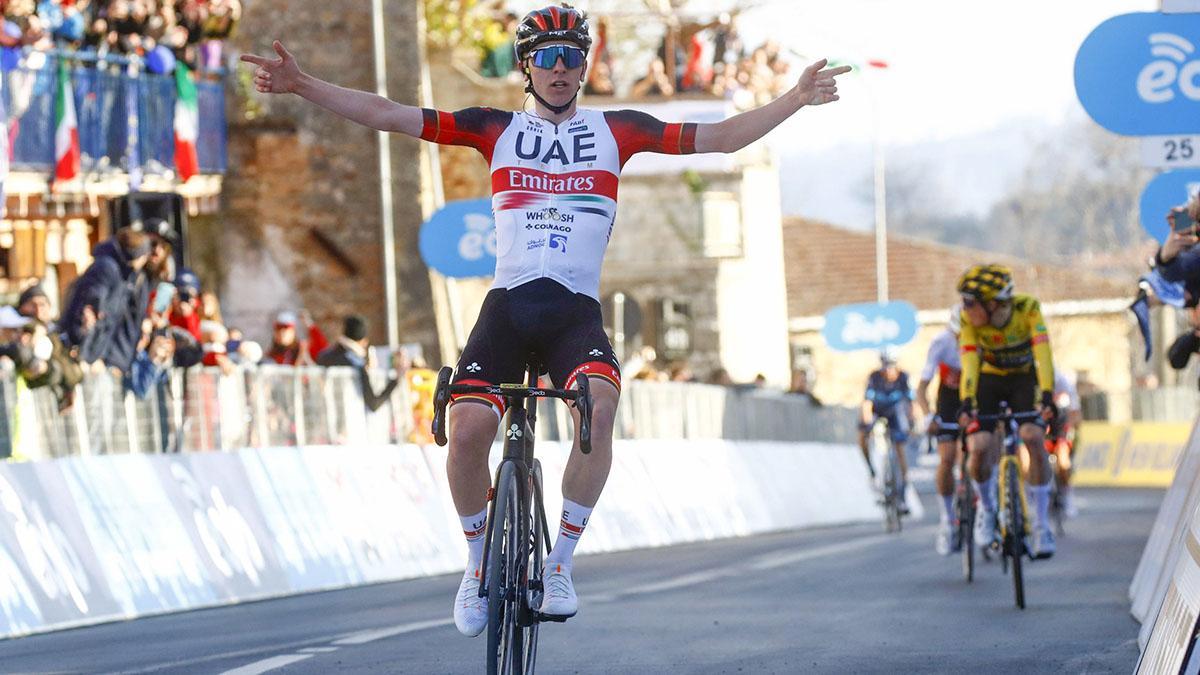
{"points": [[474, 529], [570, 528], [948, 508], [987, 492], [1041, 500]]}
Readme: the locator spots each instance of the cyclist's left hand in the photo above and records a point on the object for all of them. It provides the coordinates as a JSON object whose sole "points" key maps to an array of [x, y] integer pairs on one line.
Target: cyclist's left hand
{"points": [[817, 85], [1049, 409]]}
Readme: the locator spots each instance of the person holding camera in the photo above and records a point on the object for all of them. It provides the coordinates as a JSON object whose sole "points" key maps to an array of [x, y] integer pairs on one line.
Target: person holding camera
{"points": [[1178, 259]]}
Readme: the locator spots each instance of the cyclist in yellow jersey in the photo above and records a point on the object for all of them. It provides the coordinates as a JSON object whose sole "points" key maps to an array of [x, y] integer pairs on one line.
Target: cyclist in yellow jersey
{"points": [[1005, 357]]}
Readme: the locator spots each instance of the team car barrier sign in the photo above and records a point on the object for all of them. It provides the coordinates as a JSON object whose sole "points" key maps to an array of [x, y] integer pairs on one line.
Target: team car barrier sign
{"points": [[1139, 74], [869, 325], [459, 240], [1141, 454]]}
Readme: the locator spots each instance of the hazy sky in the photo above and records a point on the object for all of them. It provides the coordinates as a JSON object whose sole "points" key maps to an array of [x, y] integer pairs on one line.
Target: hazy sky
{"points": [[957, 70]]}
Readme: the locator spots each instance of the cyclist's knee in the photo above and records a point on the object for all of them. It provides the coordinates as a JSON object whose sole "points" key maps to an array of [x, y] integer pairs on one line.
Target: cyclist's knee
{"points": [[472, 428]]}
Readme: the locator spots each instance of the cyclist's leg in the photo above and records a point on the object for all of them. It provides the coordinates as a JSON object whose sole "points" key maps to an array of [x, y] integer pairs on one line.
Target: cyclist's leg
{"points": [[580, 349], [1063, 450], [1023, 389], [947, 407], [864, 431], [490, 357]]}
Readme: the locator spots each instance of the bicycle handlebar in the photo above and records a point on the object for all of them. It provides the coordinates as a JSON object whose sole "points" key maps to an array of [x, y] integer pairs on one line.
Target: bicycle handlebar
{"points": [[581, 397]]}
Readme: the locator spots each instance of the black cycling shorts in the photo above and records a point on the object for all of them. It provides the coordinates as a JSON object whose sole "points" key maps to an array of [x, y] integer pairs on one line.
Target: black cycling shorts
{"points": [[542, 319], [1018, 389], [948, 403]]}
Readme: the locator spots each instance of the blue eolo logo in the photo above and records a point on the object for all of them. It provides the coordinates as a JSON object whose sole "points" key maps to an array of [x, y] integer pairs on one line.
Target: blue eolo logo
{"points": [[1164, 192], [460, 239], [1139, 74], [869, 325]]}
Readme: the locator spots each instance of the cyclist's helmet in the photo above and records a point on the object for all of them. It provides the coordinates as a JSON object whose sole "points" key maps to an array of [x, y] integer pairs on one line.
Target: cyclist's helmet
{"points": [[955, 322], [987, 282], [549, 24], [887, 357]]}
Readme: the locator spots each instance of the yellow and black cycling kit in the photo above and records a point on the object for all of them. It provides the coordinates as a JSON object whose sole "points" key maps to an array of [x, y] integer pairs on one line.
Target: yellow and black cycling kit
{"points": [[1017, 349]]}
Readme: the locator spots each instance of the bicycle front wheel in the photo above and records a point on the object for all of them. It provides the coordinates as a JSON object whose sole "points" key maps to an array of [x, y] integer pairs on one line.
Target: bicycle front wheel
{"points": [[505, 634], [966, 529], [1016, 532], [538, 536]]}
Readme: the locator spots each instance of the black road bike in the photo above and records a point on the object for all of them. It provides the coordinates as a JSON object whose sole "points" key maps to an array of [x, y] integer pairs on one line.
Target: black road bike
{"points": [[892, 499], [518, 536], [1013, 513]]}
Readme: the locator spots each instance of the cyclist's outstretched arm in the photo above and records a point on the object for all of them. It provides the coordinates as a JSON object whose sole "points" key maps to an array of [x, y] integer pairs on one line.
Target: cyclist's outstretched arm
{"points": [[817, 86], [282, 75]]}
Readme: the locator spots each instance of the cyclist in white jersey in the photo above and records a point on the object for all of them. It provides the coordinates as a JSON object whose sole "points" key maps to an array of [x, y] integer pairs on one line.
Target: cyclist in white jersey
{"points": [[554, 196], [943, 360]]}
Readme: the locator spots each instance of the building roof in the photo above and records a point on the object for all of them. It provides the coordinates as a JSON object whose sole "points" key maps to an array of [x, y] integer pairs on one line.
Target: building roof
{"points": [[828, 266]]}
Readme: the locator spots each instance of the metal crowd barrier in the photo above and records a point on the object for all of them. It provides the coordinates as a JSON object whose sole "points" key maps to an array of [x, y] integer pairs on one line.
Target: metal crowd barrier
{"points": [[201, 409]]}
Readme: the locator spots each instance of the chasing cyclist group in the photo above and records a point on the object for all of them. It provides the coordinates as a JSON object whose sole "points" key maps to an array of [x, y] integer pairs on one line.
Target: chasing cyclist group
{"points": [[994, 351]]}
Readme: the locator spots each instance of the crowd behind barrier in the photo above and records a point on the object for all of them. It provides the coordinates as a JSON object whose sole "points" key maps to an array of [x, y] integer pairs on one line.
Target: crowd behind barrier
{"points": [[202, 409]]}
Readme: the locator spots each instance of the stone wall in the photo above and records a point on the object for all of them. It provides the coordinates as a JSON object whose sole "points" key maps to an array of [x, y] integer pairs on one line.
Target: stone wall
{"points": [[301, 223]]}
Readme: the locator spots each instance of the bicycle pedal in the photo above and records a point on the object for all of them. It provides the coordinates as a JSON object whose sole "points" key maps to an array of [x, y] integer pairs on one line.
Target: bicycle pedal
{"points": [[553, 618]]}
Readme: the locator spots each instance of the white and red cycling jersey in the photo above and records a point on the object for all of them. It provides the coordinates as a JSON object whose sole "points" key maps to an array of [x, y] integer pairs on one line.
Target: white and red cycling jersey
{"points": [[554, 187], [944, 358]]}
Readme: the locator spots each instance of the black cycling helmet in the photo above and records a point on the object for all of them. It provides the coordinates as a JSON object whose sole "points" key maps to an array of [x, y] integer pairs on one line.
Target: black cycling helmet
{"points": [[549, 24]]}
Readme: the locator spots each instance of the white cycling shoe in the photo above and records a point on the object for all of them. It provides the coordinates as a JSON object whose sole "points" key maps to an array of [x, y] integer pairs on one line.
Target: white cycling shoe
{"points": [[985, 527], [470, 610], [558, 592], [1041, 543], [947, 541]]}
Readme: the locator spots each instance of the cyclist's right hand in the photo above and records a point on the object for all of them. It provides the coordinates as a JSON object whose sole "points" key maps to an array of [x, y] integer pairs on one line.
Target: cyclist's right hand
{"points": [[966, 413], [275, 76]]}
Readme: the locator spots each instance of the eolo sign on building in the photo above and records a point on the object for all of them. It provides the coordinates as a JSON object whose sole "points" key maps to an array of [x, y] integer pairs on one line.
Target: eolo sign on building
{"points": [[1139, 75]]}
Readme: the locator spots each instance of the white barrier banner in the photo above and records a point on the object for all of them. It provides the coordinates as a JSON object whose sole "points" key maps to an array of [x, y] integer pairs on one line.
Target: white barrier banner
{"points": [[92, 539]]}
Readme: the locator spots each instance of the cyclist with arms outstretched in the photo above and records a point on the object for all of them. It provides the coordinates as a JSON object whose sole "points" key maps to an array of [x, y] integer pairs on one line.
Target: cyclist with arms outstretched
{"points": [[1005, 351], [554, 173]]}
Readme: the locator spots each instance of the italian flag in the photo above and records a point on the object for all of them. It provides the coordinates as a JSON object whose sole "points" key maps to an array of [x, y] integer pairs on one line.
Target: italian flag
{"points": [[66, 128], [187, 124]]}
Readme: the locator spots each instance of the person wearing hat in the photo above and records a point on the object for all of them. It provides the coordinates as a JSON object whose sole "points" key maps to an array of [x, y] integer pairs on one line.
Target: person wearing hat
{"points": [[163, 240], [35, 304], [354, 350], [185, 307], [107, 303], [287, 349]]}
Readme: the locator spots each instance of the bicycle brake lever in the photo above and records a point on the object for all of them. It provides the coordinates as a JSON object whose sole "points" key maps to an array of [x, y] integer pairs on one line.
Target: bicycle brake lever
{"points": [[441, 397], [583, 402]]}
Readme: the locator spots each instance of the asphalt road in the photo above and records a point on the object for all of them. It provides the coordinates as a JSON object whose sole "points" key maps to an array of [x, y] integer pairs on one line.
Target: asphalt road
{"points": [[845, 600]]}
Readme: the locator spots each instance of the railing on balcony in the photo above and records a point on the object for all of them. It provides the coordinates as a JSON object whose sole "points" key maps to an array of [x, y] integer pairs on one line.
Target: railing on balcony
{"points": [[112, 98]]}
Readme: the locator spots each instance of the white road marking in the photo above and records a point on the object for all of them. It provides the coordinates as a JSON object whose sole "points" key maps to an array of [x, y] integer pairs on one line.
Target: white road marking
{"points": [[381, 633], [266, 665], [317, 650]]}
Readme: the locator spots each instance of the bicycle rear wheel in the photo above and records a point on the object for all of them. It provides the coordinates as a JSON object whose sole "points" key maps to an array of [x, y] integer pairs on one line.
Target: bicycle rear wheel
{"points": [[505, 634], [1015, 544]]}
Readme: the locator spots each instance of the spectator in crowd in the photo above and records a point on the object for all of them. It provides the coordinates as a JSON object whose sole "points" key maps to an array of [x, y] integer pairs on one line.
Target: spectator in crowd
{"points": [[655, 83], [210, 307], [599, 80], [721, 377], [682, 372], [221, 19], [800, 387], [24, 345], [108, 302], [214, 339], [1178, 259], [151, 362], [288, 348], [185, 308], [64, 372], [163, 240], [354, 350], [499, 58], [1188, 342]]}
